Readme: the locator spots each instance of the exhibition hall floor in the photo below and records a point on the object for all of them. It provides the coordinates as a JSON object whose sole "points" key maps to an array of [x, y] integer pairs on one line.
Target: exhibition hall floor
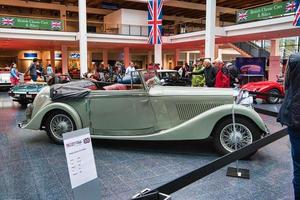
{"points": [[32, 167]]}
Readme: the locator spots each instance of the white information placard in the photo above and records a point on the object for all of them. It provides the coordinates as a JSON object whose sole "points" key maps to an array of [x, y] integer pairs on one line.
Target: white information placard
{"points": [[80, 157]]}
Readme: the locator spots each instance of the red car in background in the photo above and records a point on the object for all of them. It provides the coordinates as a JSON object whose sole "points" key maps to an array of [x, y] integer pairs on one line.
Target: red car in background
{"points": [[265, 87]]}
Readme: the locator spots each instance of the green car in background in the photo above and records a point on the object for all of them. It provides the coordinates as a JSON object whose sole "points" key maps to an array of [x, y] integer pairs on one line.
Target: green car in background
{"points": [[25, 93], [146, 111]]}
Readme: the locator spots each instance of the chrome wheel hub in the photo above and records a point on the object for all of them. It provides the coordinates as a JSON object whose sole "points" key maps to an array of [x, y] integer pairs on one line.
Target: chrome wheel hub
{"points": [[60, 124], [232, 140]]}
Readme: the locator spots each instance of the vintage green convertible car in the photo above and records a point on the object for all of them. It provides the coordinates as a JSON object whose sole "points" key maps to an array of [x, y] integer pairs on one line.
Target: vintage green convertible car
{"points": [[146, 111]]}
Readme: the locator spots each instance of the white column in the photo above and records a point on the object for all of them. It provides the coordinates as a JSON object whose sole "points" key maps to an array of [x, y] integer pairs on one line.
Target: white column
{"points": [[187, 58], [158, 54], [220, 53], [210, 29], [83, 37]]}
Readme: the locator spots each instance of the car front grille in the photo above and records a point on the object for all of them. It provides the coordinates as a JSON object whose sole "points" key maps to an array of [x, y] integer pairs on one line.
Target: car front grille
{"points": [[188, 111]]}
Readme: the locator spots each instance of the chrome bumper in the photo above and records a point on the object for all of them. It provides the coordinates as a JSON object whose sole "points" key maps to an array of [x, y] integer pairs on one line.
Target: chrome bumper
{"points": [[28, 113], [22, 124]]}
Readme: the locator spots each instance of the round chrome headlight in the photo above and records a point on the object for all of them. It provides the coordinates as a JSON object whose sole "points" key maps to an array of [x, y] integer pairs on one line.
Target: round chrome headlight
{"points": [[247, 101]]}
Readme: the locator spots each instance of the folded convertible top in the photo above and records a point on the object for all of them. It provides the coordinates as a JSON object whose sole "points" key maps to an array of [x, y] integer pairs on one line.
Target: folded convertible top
{"points": [[72, 90]]}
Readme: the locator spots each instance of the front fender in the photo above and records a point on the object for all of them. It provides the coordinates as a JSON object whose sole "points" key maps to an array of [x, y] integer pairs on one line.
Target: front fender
{"points": [[36, 121], [201, 126]]}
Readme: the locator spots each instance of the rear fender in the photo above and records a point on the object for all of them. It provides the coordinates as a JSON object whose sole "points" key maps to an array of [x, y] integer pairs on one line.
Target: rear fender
{"points": [[36, 121]]}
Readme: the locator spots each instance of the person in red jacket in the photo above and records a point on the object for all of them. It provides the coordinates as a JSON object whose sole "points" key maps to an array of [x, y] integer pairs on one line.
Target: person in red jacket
{"points": [[222, 78]]}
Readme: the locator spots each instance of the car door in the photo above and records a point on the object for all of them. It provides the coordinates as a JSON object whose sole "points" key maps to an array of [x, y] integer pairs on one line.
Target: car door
{"points": [[123, 113]]}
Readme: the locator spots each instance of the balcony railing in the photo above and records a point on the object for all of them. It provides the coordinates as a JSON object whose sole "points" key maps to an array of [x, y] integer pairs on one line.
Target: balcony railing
{"points": [[119, 29]]}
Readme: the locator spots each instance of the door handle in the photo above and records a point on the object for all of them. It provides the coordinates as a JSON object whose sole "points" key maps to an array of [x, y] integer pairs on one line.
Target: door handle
{"points": [[145, 100], [139, 95]]}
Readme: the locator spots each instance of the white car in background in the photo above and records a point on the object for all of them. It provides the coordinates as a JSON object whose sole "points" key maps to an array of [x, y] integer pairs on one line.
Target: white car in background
{"points": [[4, 78]]}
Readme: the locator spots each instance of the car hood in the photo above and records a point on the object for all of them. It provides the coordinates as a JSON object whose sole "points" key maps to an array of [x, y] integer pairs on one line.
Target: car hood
{"points": [[189, 91], [258, 85]]}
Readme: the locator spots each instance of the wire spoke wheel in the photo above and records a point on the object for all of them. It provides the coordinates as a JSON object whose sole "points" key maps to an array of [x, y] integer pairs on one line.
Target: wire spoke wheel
{"points": [[60, 124], [232, 140]]}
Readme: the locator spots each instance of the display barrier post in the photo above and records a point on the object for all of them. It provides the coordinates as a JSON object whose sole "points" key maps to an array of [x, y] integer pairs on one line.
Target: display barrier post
{"points": [[231, 171], [147, 194]]}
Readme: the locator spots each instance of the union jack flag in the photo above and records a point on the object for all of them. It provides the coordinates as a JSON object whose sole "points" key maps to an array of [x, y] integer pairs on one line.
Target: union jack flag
{"points": [[290, 6], [243, 16], [7, 21], [155, 21], [56, 24], [296, 21]]}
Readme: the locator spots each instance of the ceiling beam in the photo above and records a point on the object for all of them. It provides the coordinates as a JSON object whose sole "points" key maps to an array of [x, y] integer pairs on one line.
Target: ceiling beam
{"points": [[51, 6], [189, 5], [197, 6], [182, 19]]}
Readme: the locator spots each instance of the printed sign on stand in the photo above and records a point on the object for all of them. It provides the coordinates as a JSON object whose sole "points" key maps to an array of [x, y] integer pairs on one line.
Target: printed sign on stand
{"points": [[80, 157], [81, 164]]}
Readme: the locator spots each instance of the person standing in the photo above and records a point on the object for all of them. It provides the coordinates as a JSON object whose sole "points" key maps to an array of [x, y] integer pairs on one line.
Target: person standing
{"points": [[198, 78], [130, 68], [289, 115], [210, 73], [49, 70], [233, 74], [183, 71], [222, 78], [32, 69], [40, 69], [14, 75]]}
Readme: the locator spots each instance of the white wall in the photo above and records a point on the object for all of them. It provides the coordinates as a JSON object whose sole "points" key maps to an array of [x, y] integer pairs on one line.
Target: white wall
{"points": [[135, 18]]}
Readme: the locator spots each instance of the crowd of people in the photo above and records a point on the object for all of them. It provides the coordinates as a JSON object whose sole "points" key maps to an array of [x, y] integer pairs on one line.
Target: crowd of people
{"points": [[210, 74], [202, 73]]}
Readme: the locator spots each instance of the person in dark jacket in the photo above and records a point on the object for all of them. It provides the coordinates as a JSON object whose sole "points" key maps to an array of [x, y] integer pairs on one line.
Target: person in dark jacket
{"points": [[289, 115], [233, 74], [210, 73], [32, 69]]}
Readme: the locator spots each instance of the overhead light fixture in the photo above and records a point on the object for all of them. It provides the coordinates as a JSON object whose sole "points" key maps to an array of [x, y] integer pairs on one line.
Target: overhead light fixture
{"points": [[111, 6]]}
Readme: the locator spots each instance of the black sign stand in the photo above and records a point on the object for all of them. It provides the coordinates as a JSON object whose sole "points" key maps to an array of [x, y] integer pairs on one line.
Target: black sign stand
{"points": [[238, 173]]}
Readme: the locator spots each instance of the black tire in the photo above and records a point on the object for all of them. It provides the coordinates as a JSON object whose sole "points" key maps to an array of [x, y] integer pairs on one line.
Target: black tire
{"points": [[23, 103], [221, 147], [273, 100], [55, 137]]}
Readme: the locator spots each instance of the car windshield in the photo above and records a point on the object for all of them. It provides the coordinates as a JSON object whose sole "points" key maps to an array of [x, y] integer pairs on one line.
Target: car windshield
{"points": [[151, 78], [169, 75]]}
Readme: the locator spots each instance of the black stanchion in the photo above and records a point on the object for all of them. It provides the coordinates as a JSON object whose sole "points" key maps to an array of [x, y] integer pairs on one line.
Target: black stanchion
{"points": [[203, 171]]}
